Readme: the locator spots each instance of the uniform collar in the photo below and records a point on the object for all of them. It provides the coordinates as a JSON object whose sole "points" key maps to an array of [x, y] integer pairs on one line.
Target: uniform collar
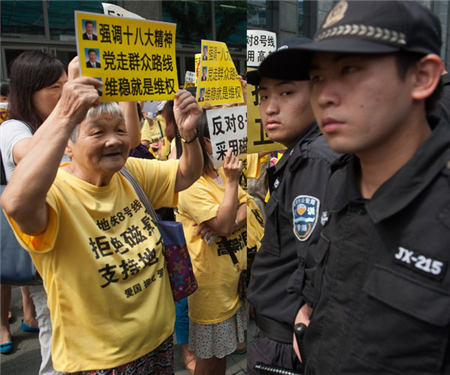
{"points": [[311, 133], [345, 169], [405, 185]]}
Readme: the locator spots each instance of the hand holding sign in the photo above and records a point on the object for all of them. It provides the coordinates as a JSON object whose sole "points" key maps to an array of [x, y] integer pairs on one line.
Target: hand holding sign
{"points": [[232, 167], [187, 113], [77, 97], [73, 70]]}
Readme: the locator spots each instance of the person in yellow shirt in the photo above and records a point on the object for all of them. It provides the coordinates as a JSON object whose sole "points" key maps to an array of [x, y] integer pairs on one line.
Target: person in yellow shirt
{"points": [[158, 133], [152, 129], [166, 120], [213, 212], [96, 248]]}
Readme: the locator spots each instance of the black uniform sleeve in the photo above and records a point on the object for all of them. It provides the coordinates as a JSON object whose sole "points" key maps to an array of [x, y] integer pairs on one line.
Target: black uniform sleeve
{"points": [[320, 159]]}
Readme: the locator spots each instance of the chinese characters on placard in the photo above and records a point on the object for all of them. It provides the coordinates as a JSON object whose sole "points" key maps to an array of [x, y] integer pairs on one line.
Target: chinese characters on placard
{"points": [[135, 59], [104, 248]]}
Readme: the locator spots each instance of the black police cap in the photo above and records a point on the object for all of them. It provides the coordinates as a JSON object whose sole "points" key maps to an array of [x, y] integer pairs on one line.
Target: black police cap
{"points": [[373, 27], [380, 27]]}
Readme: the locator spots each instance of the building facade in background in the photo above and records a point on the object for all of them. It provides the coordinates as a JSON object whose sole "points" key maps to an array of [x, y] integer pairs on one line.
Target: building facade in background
{"points": [[290, 17], [48, 25]]}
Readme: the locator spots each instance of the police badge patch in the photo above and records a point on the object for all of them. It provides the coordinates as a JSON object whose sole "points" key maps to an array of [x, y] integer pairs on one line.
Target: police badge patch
{"points": [[305, 211], [336, 14]]}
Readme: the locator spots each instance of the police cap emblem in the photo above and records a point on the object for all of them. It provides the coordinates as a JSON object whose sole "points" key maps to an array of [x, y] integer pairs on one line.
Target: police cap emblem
{"points": [[336, 14], [305, 211]]}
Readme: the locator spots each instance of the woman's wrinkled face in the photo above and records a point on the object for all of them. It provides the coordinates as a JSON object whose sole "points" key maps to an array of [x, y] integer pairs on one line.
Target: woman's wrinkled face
{"points": [[101, 149]]}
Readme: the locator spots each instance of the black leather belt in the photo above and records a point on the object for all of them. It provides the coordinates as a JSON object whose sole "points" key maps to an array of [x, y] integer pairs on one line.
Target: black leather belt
{"points": [[275, 330]]}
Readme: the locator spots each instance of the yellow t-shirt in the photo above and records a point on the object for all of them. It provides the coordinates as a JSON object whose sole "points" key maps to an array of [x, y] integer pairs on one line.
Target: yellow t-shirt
{"points": [[216, 298], [164, 149], [253, 166], [102, 265], [154, 132], [255, 224]]}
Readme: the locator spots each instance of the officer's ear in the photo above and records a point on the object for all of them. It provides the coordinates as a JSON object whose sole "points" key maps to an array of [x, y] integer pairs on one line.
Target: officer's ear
{"points": [[426, 76]]}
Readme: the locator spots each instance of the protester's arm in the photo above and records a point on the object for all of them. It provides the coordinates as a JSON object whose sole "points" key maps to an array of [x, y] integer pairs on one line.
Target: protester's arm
{"points": [[187, 114], [21, 148], [224, 222], [208, 233], [241, 218], [173, 152], [24, 198], [132, 122]]}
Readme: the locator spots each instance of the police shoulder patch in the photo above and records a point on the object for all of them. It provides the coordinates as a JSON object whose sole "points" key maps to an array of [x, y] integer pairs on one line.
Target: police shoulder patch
{"points": [[305, 211]]}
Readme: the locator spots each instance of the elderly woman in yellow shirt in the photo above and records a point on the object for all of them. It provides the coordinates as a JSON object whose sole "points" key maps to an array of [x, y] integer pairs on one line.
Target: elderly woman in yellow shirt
{"points": [[96, 248]]}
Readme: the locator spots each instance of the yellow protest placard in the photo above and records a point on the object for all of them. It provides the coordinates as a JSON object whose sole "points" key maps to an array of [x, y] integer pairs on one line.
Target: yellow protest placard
{"points": [[135, 59], [197, 60], [257, 137], [218, 79], [189, 79]]}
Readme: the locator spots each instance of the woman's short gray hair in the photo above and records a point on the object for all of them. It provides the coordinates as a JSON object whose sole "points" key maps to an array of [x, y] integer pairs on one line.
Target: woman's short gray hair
{"points": [[109, 108]]}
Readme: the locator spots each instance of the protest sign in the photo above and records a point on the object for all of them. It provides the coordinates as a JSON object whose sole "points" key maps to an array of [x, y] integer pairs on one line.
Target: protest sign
{"points": [[135, 59], [257, 137], [189, 79], [227, 129], [115, 10], [260, 43], [218, 79], [197, 59]]}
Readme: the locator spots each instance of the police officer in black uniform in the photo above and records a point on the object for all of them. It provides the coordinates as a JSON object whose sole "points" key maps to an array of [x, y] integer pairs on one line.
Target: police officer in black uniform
{"points": [[297, 185], [380, 293], [443, 107]]}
